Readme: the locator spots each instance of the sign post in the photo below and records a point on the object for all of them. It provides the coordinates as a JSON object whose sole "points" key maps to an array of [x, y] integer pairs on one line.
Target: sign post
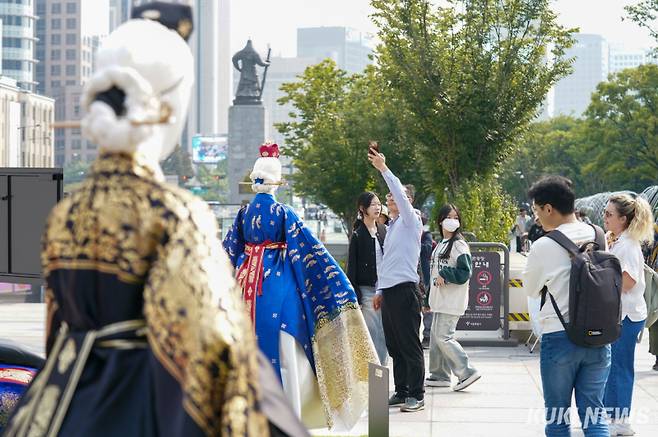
{"points": [[483, 311], [377, 400]]}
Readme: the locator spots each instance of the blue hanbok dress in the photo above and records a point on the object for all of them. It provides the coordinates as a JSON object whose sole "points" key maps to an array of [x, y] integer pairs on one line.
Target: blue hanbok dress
{"points": [[292, 285]]}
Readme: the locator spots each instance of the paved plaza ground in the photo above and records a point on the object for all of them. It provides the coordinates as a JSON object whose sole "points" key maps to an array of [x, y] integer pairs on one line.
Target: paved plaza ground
{"points": [[507, 401]]}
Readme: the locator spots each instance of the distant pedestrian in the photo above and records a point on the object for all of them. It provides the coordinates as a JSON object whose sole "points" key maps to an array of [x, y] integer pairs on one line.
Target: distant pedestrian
{"points": [[521, 228], [426, 247], [536, 231], [629, 222], [451, 269], [651, 260], [582, 216], [383, 218]]}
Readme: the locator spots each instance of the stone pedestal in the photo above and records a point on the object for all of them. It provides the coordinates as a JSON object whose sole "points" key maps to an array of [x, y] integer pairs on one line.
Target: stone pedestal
{"points": [[247, 125]]}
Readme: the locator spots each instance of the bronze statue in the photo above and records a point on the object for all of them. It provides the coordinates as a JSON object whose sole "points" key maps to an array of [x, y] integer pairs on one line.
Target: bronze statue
{"points": [[249, 89]]}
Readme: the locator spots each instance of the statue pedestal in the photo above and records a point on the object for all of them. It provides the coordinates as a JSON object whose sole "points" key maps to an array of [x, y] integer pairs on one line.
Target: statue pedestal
{"points": [[247, 125]]}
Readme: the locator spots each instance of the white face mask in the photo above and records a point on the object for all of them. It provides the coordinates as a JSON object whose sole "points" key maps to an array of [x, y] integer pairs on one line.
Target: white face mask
{"points": [[450, 225]]}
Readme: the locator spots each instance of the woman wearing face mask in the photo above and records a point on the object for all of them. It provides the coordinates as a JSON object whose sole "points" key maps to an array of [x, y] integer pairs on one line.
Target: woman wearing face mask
{"points": [[365, 252], [629, 222], [450, 271]]}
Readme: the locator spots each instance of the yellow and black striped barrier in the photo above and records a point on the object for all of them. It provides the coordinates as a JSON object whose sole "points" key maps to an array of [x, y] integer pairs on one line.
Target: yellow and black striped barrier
{"points": [[518, 317], [515, 283]]}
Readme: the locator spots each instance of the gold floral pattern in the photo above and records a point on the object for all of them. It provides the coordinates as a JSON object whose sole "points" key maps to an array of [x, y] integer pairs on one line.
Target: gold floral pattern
{"points": [[343, 388], [125, 222]]}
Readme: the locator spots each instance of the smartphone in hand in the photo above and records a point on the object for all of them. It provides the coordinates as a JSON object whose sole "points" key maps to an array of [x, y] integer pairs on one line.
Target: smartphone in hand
{"points": [[373, 145]]}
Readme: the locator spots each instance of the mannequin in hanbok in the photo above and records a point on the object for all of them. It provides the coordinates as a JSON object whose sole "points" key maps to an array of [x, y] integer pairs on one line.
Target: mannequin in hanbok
{"points": [[146, 332], [305, 312]]}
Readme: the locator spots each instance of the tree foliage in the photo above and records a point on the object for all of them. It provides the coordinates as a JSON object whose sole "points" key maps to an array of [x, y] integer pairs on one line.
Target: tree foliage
{"points": [[213, 181], [75, 171], [622, 126], [470, 75], [334, 117], [615, 147], [557, 146], [485, 209], [180, 164], [645, 13]]}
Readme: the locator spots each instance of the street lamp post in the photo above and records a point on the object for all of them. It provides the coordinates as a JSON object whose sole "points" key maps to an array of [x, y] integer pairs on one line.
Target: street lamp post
{"points": [[21, 129]]}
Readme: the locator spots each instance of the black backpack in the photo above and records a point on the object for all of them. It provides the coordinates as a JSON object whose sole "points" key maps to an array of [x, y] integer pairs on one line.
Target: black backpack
{"points": [[594, 292]]}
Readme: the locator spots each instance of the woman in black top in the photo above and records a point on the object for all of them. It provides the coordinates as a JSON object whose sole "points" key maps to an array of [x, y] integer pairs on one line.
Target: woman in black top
{"points": [[365, 251]]}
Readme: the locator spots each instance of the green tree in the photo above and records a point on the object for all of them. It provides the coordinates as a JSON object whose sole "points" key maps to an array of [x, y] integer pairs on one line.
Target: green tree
{"points": [[645, 14], [75, 172], [557, 146], [180, 164], [334, 116], [485, 209], [212, 179], [470, 75], [622, 122]]}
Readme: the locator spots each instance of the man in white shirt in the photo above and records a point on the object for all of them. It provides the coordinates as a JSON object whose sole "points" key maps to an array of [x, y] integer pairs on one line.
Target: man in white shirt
{"points": [[397, 282], [565, 367]]}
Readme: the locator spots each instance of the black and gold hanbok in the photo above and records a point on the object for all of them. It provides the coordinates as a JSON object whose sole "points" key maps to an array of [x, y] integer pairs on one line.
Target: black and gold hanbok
{"points": [[146, 335]]}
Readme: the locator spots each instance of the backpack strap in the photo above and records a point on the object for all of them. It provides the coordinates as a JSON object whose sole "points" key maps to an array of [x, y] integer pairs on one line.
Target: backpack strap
{"points": [[544, 292], [564, 241], [599, 236]]}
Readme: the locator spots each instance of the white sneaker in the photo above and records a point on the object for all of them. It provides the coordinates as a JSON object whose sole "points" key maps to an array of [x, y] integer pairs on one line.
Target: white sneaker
{"points": [[621, 428], [461, 385]]}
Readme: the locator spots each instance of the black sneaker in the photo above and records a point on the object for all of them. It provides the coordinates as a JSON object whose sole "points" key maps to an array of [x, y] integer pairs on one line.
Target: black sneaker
{"points": [[412, 404], [426, 343], [655, 366], [396, 400]]}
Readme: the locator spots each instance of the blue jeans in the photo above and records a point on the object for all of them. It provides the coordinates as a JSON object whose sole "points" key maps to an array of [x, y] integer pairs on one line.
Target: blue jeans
{"points": [[374, 323], [446, 354], [565, 368], [619, 389], [427, 325]]}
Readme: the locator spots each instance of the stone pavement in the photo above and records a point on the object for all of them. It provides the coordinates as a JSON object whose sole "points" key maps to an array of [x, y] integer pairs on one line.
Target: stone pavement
{"points": [[507, 401]]}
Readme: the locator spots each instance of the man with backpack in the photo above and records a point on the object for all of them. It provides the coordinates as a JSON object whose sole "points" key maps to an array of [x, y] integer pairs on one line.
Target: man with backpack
{"points": [[580, 288]]}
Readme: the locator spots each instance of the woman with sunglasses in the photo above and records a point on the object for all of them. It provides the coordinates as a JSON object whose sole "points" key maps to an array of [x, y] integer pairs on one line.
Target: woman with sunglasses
{"points": [[629, 222]]}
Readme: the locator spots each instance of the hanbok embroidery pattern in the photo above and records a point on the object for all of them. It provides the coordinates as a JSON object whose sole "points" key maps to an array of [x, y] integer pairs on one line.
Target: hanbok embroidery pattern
{"points": [[293, 285]]}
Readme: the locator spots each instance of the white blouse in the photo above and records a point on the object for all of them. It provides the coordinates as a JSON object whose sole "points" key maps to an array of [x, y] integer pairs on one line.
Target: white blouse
{"points": [[630, 256]]}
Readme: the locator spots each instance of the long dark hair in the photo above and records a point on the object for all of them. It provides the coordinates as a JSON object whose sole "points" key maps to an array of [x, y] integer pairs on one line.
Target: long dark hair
{"points": [[363, 202], [444, 211]]}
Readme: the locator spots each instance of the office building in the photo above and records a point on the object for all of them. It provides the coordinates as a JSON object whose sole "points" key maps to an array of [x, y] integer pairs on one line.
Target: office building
{"points": [[69, 33], [18, 42], [572, 94], [349, 48], [25, 127]]}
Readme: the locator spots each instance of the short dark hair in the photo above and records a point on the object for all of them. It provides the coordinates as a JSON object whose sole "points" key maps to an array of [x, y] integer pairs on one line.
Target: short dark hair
{"points": [[556, 191], [411, 191]]}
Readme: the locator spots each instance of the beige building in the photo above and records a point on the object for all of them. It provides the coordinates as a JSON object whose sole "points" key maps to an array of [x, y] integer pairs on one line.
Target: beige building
{"points": [[69, 31], [26, 133]]}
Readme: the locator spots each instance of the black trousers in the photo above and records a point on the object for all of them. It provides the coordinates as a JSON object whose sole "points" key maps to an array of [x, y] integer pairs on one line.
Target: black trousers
{"points": [[401, 320]]}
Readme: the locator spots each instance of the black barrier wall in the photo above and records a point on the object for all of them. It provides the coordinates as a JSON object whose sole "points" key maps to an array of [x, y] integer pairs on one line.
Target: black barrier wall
{"points": [[26, 197]]}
